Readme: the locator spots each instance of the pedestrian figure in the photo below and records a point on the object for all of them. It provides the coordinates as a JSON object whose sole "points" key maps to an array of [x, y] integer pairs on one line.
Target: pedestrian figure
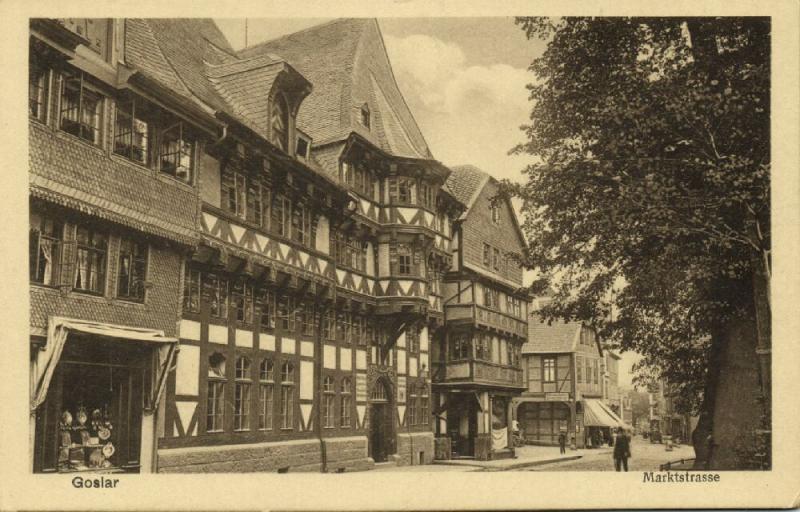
{"points": [[562, 442], [622, 450]]}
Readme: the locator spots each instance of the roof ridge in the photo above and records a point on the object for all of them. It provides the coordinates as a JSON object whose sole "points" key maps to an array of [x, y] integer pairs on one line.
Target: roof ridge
{"points": [[170, 64], [301, 31], [402, 96]]}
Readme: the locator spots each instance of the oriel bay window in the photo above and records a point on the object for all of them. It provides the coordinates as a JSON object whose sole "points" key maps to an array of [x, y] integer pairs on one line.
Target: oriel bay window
{"points": [[45, 246], [287, 395], [241, 395], [328, 401], [349, 251], [401, 189], [459, 346], [132, 270], [405, 260], [215, 389], [266, 387], [80, 108], [483, 347], [90, 262]]}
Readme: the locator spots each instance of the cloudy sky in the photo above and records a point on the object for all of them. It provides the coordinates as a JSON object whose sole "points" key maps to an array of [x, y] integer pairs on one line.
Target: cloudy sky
{"points": [[463, 78]]}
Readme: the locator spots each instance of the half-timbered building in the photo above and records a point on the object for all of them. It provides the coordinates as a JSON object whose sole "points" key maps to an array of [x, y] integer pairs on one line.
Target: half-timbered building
{"points": [[477, 364], [265, 230], [564, 372]]}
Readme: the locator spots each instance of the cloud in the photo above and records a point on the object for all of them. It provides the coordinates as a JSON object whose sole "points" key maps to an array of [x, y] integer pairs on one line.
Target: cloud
{"points": [[467, 113]]}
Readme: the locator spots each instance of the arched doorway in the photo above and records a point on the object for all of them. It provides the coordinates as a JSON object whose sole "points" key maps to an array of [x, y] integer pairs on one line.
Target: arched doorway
{"points": [[381, 435]]}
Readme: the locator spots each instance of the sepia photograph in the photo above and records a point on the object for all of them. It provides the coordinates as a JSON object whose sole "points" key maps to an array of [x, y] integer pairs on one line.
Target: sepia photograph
{"points": [[400, 247]]}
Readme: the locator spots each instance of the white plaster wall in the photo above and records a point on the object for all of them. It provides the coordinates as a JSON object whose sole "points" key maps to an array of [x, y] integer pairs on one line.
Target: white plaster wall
{"points": [[370, 259], [323, 241], [306, 380], [186, 375], [383, 260]]}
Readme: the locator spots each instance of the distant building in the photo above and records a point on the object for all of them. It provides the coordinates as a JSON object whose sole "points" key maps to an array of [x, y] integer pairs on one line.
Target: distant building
{"points": [[664, 418], [565, 389]]}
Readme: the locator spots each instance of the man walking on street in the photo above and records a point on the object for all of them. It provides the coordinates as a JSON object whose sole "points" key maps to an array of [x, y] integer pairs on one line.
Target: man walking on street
{"points": [[622, 450], [562, 442]]}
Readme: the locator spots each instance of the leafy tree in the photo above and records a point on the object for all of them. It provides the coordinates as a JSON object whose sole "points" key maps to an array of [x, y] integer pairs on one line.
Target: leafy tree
{"points": [[650, 187]]}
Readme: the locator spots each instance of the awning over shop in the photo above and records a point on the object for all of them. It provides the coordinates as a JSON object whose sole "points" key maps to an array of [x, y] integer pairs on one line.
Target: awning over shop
{"points": [[57, 332], [598, 414]]}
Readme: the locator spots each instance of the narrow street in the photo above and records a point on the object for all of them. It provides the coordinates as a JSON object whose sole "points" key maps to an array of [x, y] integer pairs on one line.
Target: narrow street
{"points": [[644, 457]]}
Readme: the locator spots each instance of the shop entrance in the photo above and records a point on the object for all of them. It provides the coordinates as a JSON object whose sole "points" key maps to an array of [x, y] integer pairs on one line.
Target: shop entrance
{"points": [[462, 423], [92, 417], [381, 439]]}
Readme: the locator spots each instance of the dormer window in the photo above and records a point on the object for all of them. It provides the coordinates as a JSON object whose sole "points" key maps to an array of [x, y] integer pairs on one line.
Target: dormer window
{"points": [[365, 120], [279, 122]]}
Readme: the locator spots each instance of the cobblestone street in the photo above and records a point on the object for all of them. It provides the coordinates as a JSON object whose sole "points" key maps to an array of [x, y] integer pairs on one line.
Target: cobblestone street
{"points": [[644, 457]]}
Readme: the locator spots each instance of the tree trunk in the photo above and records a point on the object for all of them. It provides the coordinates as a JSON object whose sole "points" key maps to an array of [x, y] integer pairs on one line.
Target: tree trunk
{"points": [[703, 432]]}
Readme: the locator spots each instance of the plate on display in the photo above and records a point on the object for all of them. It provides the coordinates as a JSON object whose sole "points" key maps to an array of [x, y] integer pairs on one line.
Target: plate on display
{"points": [[108, 450], [104, 433]]}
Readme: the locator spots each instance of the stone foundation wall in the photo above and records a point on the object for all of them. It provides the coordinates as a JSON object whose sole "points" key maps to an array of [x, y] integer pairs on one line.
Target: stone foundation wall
{"points": [[343, 454], [415, 448]]}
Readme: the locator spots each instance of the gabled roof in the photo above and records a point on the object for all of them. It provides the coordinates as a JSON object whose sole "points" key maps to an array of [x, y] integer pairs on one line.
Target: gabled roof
{"points": [[466, 182], [554, 338], [557, 337], [346, 61]]}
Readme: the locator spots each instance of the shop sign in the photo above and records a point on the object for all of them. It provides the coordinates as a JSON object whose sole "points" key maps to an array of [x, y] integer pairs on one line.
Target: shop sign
{"points": [[556, 397]]}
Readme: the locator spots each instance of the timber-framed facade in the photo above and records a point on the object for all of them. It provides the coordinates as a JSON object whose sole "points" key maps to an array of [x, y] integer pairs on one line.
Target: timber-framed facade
{"points": [[254, 266]]}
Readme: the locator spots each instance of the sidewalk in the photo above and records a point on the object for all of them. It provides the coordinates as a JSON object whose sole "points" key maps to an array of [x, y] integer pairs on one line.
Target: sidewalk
{"points": [[527, 456]]}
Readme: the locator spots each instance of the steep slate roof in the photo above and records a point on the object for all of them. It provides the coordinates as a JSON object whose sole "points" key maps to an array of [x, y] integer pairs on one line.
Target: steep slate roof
{"points": [[346, 62], [465, 183], [556, 337]]}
